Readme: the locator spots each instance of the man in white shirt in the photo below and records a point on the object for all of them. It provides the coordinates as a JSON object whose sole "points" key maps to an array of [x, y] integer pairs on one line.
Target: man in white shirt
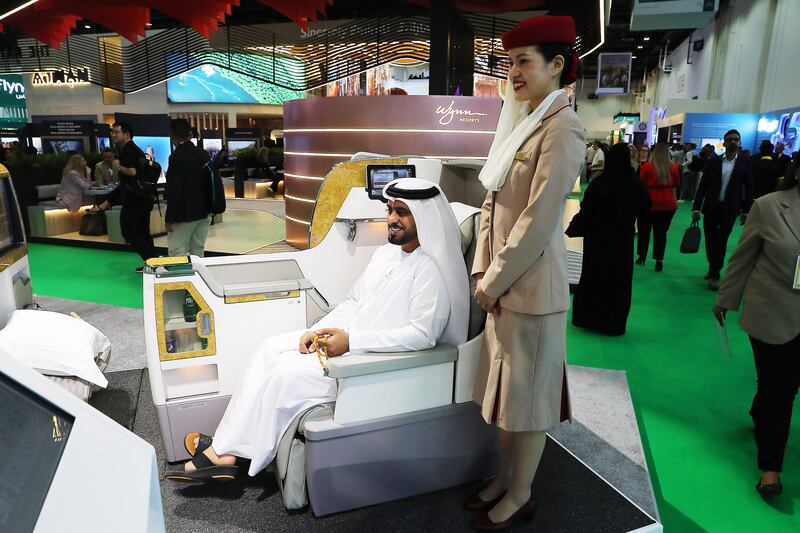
{"points": [[413, 294], [598, 161], [105, 173], [588, 160], [725, 191]]}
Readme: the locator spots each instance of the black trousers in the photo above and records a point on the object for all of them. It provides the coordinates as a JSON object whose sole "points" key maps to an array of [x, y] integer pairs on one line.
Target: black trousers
{"points": [[717, 228], [778, 371], [134, 222], [658, 222]]}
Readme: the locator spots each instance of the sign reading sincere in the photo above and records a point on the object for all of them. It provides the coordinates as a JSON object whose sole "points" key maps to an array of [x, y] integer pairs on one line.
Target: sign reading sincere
{"points": [[13, 106]]}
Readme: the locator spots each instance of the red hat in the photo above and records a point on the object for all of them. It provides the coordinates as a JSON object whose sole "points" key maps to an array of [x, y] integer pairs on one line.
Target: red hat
{"points": [[543, 29]]}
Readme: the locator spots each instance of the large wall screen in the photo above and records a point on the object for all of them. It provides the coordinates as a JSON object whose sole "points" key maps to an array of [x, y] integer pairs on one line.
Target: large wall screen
{"points": [[212, 84]]}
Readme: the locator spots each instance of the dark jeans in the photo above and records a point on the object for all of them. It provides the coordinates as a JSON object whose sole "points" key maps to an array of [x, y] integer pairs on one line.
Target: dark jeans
{"points": [[659, 222], [688, 185], [134, 222], [778, 371], [717, 228]]}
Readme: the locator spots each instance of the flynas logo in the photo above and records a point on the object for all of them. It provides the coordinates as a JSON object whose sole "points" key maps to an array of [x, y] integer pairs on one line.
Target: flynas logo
{"points": [[448, 113], [14, 89], [58, 435]]}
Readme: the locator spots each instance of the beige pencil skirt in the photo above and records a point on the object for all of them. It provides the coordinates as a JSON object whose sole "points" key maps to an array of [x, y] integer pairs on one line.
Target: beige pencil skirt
{"points": [[521, 383]]}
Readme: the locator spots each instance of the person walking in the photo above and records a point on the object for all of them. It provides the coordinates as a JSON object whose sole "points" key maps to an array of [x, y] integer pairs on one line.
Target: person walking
{"points": [[725, 191], [606, 221], [188, 193], [644, 157], [520, 262], [598, 160], [134, 193], [766, 171], [688, 173], [661, 177], [763, 272], [587, 168]]}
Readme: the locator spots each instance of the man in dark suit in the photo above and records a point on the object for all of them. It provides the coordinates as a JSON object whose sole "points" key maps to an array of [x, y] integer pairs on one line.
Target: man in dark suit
{"points": [[188, 194], [725, 191], [781, 158]]}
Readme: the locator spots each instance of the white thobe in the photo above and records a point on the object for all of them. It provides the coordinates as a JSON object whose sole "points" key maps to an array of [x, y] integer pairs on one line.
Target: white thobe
{"points": [[398, 304]]}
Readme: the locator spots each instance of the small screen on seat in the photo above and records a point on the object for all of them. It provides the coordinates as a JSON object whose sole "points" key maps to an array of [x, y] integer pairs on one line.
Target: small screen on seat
{"points": [[33, 434], [379, 175]]}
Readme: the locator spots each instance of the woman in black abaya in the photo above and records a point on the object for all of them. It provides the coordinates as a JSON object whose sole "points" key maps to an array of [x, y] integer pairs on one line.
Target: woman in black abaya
{"points": [[606, 221]]}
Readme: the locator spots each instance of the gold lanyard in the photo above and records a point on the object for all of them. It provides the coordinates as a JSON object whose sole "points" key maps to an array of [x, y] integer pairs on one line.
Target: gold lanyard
{"points": [[321, 341]]}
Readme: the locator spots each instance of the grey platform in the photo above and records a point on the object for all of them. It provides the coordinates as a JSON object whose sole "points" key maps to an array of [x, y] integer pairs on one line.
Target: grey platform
{"points": [[603, 443]]}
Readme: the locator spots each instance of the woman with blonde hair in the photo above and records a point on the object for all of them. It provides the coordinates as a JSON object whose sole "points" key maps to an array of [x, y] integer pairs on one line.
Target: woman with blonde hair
{"points": [[661, 175], [74, 181], [634, 154]]}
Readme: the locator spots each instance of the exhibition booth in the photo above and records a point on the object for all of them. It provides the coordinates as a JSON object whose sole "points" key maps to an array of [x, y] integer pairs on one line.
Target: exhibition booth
{"points": [[708, 128]]}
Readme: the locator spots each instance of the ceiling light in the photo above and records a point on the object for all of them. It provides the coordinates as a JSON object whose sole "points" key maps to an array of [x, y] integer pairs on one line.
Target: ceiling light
{"points": [[88, 27], [647, 38], [633, 57], [640, 47]]}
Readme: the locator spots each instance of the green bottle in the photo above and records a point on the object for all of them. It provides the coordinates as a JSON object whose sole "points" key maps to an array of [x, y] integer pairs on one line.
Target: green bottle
{"points": [[190, 308]]}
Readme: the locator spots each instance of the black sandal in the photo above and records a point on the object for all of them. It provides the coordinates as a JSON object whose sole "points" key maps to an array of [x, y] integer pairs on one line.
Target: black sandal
{"points": [[203, 442], [206, 471]]}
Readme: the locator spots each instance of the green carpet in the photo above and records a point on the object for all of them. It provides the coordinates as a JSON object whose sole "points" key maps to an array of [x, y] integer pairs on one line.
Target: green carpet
{"points": [[87, 274], [691, 401]]}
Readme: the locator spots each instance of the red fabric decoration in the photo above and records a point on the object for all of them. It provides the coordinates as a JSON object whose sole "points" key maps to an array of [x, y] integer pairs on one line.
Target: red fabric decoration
{"points": [[572, 76], [50, 21], [544, 29]]}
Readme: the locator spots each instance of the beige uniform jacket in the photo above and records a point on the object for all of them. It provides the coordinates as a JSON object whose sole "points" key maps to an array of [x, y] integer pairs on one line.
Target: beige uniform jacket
{"points": [[520, 246], [762, 268]]}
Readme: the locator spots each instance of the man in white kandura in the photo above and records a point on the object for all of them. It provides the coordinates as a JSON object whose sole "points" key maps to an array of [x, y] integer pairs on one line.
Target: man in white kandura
{"points": [[413, 294]]}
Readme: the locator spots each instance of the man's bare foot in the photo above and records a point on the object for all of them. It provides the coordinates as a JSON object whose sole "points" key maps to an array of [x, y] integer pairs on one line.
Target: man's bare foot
{"points": [[219, 460]]}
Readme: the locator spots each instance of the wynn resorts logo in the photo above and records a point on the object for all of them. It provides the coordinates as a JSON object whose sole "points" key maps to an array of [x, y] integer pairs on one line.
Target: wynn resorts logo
{"points": [[58, 435], [448, 113]]}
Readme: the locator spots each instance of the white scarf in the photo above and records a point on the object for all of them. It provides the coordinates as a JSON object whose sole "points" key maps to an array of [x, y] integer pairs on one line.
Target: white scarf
{"points": [[512, 131]]}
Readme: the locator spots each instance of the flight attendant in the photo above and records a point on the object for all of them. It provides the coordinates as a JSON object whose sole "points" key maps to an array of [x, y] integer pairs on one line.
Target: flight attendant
{"points": [[520, 262]]}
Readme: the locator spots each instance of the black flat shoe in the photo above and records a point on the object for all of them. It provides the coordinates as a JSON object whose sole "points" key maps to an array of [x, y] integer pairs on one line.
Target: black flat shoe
{"points": [[659, 266], [773, 489], [640, 260]]}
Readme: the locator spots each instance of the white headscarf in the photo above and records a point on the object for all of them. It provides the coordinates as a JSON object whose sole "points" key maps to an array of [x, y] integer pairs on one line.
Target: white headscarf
{"points": [[513, 129], [440, 239]]}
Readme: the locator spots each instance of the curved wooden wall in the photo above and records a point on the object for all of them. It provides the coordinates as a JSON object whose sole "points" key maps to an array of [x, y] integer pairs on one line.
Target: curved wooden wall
{"points": [[320, 132]]}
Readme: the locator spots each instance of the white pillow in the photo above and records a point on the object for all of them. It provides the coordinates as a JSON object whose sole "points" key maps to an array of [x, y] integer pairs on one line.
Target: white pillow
{"points": [[56, 344]]}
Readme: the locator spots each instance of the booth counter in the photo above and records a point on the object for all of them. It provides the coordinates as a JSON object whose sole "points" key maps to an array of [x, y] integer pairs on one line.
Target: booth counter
{"points": [[321, 132]]}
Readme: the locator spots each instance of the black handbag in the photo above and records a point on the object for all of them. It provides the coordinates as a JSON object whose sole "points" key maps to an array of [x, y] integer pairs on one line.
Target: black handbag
{"points": [[691, 239], [93, 223]]}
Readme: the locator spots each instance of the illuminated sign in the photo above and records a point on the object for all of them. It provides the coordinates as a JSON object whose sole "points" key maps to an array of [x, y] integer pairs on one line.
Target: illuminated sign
{"points": [[13, 105], [71, 77], [464, 115], [767, 125]]}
